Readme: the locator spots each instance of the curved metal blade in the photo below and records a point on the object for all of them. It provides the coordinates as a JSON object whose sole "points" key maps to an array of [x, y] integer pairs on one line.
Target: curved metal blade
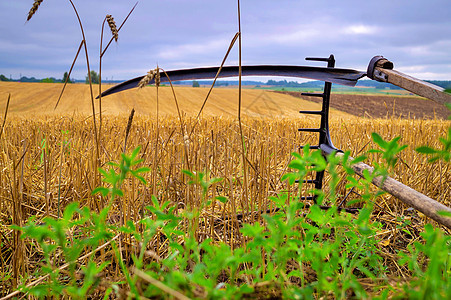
{"points": [[335, 75]]}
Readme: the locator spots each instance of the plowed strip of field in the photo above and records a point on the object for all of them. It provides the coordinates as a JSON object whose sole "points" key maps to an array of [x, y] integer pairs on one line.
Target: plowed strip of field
{"points": [[379, 106], [40, 98]]}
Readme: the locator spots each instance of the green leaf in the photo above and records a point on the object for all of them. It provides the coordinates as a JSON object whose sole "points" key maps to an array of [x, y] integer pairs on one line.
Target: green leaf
{"points": [[112, 164], [444, 213], [70, 210], [379, 140], [426, 150], [402, 148], [139, 177], [103, 172], [214, 180], [155, 202], [291, 177], [358, 159], [433, 159], [252, 230], [102, 190], [448, 104], [118, 193], [222, 199], [135, 152], [189, 173], [375, 151], [143, 170]]}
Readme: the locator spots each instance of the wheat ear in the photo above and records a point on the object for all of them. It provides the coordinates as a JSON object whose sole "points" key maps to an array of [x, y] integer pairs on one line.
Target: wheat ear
{"points": [[146, 79], [113, 27], [157, 77], [34, 9]]}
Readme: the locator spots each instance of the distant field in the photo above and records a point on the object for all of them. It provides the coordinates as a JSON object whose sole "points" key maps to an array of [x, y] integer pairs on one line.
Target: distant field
{"points": [[40, 98], [383, 106], [343, 90]]}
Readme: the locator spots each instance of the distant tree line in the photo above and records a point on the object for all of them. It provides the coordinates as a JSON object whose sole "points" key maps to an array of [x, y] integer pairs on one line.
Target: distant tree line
{"points": [[446, 84], [284, 83], [217, 83], [94, 79]]}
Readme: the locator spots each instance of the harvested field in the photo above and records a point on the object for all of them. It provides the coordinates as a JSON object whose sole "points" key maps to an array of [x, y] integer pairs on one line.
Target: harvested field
{"points": [[40, 98], [147, 194], [49, 160], [377, 106]]}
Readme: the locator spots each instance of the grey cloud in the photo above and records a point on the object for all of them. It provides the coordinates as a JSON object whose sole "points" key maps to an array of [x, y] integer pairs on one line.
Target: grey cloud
{"points": [[415, 34]]}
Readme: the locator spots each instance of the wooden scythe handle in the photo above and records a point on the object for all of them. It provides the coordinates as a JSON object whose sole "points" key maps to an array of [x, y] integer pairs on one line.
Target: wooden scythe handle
{"points": [[409, 196], [381, 70]]}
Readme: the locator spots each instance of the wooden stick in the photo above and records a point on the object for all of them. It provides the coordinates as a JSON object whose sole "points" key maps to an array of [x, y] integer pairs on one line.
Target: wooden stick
{"points": [[414, 85], [409, 196]]}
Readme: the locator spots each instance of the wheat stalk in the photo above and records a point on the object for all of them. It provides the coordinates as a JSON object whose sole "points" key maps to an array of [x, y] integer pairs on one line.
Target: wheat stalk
{"points": [[6, 113], [34, 9], [129, 126], [157, 77], [113, 27]]}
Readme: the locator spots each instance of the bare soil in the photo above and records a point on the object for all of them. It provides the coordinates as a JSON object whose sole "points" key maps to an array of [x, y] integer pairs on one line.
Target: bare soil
{"points": [[379, 106]]}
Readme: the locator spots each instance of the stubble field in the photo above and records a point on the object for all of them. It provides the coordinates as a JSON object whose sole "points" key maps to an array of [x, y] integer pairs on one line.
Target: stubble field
{"points": [[49, 159]]}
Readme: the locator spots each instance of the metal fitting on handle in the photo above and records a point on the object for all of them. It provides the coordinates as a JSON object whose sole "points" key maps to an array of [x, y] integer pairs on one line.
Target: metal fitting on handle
{"points": [[381, 62]]}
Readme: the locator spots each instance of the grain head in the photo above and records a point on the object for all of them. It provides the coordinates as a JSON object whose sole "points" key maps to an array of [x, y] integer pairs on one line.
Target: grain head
{"points": [[157, 77], [146, 79], [34, 9], [113, 26]]}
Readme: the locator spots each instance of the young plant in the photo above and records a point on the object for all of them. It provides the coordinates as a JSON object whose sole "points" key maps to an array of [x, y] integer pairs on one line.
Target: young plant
{"points": [[115, 180], [430, 264], [444, 153], [61, 242], [390, 151]]}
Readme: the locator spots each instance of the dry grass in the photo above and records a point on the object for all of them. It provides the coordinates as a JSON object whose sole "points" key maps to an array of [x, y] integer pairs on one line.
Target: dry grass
{"points": [[214, 148], [49, 161]]}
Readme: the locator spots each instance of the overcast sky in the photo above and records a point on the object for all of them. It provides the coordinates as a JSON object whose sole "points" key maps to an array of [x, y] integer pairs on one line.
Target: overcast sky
{"points": [[414, 34]]}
